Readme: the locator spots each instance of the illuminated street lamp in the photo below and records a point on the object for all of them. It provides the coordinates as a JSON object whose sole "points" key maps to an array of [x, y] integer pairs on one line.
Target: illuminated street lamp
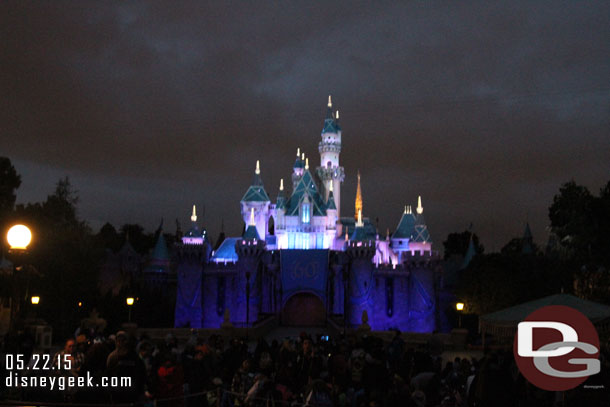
{"points": [[129, 301], [19, 237], [35, 300], [460, 308]]}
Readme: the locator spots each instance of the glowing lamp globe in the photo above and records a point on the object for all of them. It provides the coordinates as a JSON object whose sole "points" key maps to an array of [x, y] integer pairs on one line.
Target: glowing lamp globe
{"points": [[129, 301], [19, 237], [459, 306], [35, 300]]}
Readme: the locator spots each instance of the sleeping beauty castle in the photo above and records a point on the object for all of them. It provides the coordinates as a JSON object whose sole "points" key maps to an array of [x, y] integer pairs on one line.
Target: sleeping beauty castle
{"points": [[302, 263]]}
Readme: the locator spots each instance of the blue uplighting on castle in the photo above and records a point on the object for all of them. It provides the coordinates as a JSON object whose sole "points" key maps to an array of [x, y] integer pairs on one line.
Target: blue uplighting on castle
{"points": [[300, 261]]}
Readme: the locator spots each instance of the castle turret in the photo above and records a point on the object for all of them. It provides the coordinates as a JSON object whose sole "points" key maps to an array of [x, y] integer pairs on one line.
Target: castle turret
{"points": [[527, 246], [249, 250], [191, 257], [194, 235], [256, 198], [404, 233], [330, 149], [421, 238], [297, 169], [360, 250]]}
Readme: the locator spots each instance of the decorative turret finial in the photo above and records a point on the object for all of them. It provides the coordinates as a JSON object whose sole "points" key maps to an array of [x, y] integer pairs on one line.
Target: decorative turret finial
{"points": [[359, 223], [258, 167], [298, 152], [330, 186], [302, 156], [358, 197], [330, 102], [281, 184], [337, 115], [194, 215], [307, 163], [252, 223], [405, 209], [420, 209]]}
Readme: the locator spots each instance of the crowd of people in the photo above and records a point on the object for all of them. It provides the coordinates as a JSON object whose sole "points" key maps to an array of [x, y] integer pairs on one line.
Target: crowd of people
{"points": [[352, 371]]}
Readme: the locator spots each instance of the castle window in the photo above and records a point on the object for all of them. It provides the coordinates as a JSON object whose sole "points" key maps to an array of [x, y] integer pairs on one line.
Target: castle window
{"points": [[305, 213]]}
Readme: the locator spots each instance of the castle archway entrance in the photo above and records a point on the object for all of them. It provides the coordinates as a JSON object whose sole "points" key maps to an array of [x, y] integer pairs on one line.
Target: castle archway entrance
{"points": [[304, 309]]}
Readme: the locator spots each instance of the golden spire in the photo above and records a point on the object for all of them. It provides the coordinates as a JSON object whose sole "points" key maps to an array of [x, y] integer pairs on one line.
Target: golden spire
{"points": [[194, 215], [358, 198], [330, 102], [281, 184], [420, 209], [359, 222], [307, 163], [252, 223], [337, 115], [298, 152], [257, 171]]}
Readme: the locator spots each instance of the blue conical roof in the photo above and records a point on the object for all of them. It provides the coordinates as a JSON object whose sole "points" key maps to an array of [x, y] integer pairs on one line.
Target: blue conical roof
{"points": [[421, 230], [306, 187], [160, 252], [406, 227], [526, 247], [359, 234], [251, 233], [470, 253]]}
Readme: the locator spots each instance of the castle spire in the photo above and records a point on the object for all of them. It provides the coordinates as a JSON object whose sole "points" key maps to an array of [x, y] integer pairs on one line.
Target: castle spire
{"points": [[359, 222], [281, 184], [257, 171], [302, 156], [306, 163], [337, 115], [358, 198], [330, 102], [420, 209], [298, 152], [194, 215]]}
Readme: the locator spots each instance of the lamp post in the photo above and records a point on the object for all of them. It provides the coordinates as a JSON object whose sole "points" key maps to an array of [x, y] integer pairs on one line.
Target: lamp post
{"points": [[18, 238], [129, 301], [460, 308]]}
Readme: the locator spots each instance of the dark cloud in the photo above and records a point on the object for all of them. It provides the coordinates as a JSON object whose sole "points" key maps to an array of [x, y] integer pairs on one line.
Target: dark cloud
{"points": [[483, 108]]}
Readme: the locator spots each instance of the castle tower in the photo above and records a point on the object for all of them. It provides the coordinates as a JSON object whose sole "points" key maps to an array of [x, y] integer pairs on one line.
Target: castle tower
{"points": [[404, 233], [256, 198], [297, 170], [360, 289], [245, 307], [329, 170], [421, 237], [191, 256]]}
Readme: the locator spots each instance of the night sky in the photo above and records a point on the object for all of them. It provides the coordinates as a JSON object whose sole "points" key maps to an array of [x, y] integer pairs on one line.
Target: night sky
{"points": [[484, 109]]}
